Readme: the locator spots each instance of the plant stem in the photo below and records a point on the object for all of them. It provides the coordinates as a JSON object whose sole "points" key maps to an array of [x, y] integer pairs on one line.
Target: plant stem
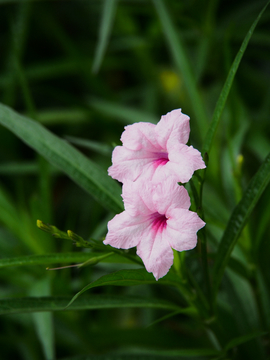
{"points": [[204, 241]]}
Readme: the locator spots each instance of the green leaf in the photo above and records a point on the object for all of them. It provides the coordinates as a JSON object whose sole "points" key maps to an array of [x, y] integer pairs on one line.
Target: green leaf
{"points": [[16, 168], [17, 220], [63, 116], [183, 64], [243, 308], [184, 352], [138, 356], [121, 113], [100, 148], [108, 14], [43, 321], [59, 303], [129, 278], [238, 220], [240, 268], [61, 258], [227, 87], [242, 339], [83, 171], [264, 293]]}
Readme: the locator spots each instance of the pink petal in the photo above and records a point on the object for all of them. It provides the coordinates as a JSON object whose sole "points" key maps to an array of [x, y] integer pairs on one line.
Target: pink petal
{"points": [[169, 195], [174, 126], [137, 198], [155, 252], [140, 136], [156, 152], [183, 161], [182, 227], [125, 231], [129, 164]]}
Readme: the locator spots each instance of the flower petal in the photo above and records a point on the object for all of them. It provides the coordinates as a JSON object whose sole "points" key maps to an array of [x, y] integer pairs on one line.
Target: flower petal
{"points": [[183, 161], [155, 252], [174, 126], [130, 165], [182, 227], [169, 195], [140, 136], [137, 197], [125, 231]]}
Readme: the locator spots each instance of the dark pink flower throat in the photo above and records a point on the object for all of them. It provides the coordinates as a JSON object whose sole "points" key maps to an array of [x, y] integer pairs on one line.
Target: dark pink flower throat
{"points": [[159, 222], [162, 159]]}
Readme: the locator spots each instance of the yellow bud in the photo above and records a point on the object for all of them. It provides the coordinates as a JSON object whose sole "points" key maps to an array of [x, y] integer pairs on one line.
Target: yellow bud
{"points": [[170, 80], [239, 160], [74, 236], [45, 227]]}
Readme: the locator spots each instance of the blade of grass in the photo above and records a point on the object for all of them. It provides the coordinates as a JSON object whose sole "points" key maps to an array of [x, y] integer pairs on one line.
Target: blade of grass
{"points": [[43, 321], [134, 277], [100, 148], [246, 320], [124, 114], [58, 303], [197, 354], [238, 220], [242, 339], [227, 87], [83, 171], [17, 221], [63, 116], [183, 64], [109, 9], [58, 258], [16, 168], [48, 70], [263, 299], [19, 33], [188, 310]]}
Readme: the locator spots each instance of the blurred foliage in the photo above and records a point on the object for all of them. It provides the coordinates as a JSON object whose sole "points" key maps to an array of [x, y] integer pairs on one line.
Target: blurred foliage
{"points": [[85, 69]]}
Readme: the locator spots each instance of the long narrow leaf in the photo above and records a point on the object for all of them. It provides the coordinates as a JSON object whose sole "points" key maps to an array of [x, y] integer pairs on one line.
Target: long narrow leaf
{"points": [[227, 87], [108, 14], [243, 339], [59, 258], [84, 172], [129, 278], [183, 64], [123, 114], [245, 316], [24, 168], [59, 303], [43, 321], [100, 148], [157, 355], [238, 219]]}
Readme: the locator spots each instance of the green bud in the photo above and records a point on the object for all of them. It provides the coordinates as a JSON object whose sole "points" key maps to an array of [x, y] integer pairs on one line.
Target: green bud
{"points": [[45, 227], [80, 242], [239, 162], [51, 229], [74, 236]]}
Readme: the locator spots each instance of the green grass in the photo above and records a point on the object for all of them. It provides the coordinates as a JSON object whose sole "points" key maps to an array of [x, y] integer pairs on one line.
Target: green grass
{"points": [[72, 75]]}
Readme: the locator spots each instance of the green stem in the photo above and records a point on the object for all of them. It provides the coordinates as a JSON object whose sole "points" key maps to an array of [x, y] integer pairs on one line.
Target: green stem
{"points": [[203, 238], [123, 253], [206, 268]]}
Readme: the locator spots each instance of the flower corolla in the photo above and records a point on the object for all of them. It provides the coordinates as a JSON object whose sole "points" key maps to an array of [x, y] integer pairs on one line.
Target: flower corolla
{"points": [[156, 220], [156, 152]]}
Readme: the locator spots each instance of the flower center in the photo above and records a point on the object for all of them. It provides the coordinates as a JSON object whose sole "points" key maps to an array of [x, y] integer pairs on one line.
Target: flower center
{"points": [[159, 222], [161, 159]]}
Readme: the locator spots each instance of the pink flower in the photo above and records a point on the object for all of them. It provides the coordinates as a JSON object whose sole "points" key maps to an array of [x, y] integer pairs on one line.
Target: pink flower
{"points": [[156, 219], [156, 151]]}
